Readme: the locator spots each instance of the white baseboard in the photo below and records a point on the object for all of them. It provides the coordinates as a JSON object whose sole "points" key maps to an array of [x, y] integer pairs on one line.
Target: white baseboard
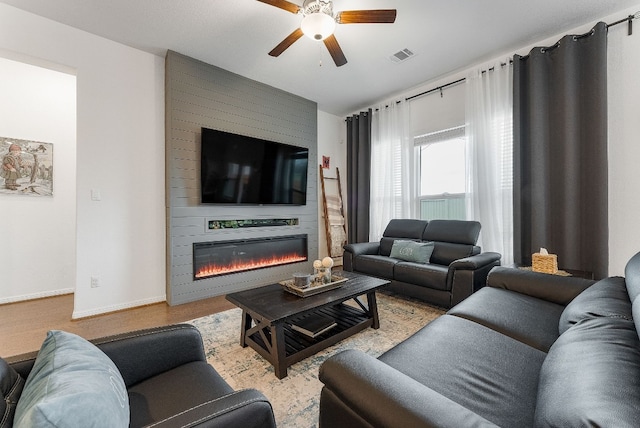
{"points": [[39, 295], [120, 307]]}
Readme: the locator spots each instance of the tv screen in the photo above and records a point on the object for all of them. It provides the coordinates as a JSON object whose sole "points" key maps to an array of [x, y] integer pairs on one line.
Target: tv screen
{"points": [[236, 169]]}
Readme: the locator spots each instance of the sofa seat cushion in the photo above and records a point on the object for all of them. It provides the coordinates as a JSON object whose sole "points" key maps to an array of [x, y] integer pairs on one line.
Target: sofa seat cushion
{"points": [[72, 384], [527, 319], [175, 391], [379, 266], [591, 377], [425, 275], [606, 298], [478, 368]]}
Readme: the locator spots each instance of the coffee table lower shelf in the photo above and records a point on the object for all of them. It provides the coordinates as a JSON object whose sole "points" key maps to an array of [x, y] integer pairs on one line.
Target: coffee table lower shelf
{"points": [[349, 321], [298, 346]]}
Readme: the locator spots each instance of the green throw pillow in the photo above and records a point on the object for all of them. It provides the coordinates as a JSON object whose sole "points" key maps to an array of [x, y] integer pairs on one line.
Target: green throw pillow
{"points": [[411, 251], [72, 384]]}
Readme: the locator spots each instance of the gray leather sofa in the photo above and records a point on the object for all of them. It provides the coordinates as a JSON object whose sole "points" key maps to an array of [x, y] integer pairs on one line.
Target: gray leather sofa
{"points": [[456, 269], [168, 381], [528, 350]]}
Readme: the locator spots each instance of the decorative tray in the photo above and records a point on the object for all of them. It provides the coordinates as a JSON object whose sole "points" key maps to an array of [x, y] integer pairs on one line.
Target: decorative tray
{"points": [[336, 281]]}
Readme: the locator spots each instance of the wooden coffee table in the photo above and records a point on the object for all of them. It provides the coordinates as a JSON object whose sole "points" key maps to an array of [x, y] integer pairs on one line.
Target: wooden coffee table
{"points": [[269, 311]]}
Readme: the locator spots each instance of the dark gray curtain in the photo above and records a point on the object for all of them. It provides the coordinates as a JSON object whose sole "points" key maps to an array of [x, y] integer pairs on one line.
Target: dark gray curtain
{"points": [[358, 176], [560, 152]]}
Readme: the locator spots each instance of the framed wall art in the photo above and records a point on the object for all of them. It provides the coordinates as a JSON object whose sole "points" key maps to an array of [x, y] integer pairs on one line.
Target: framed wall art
{"points": [[26, 167]]}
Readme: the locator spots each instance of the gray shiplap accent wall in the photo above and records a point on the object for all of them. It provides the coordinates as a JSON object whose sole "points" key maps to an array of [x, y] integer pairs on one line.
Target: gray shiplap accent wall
{"points": [[201, 95]]}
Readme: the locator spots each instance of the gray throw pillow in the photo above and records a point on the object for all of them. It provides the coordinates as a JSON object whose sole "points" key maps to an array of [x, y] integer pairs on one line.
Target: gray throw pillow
{"points": [[411, 251], [73, 384]]}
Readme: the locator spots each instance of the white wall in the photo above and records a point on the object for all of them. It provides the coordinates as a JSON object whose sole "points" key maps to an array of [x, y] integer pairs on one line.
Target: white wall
{"points": [[624, 113], [39, 104], [120, 154], [624, 142], [332, 143]]}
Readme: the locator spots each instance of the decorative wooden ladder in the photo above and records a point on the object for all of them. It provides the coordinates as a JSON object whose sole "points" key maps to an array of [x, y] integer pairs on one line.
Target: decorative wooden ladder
{"points": [[334, 221]]}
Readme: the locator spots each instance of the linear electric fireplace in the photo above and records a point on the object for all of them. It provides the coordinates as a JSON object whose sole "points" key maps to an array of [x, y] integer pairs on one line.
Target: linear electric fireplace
{"points": [[225, 257]]}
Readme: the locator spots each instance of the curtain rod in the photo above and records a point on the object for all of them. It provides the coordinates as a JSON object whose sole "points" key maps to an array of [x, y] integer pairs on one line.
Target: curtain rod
{"points": [[439, 88], [446, 85], [628, 19]]}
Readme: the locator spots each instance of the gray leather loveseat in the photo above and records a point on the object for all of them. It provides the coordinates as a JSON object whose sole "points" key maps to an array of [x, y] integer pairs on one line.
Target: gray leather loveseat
{"points": [[167, 382], [453, 271], [528, 350]]}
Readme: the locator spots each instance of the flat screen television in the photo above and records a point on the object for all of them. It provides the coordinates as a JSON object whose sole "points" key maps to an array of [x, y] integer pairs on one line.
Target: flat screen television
{"points": [[236, 169]]}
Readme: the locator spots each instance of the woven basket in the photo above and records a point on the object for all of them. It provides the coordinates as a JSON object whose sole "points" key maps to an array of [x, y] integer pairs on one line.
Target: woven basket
{"points": [[545, 263]]}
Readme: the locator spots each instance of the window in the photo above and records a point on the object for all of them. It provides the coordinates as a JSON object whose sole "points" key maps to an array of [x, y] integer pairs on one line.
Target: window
{"points": [[442, 175]]}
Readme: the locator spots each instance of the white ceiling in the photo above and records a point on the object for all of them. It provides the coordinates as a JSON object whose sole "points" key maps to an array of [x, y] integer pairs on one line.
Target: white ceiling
{"points": [[446, 35]]}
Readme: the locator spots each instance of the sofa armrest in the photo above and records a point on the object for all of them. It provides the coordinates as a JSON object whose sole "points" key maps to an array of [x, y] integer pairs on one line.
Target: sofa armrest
{"points": [[469, 274], [351, 251], [142, 354], [553, 288], [478, 261], [247, 408], [363, 248], [376, 394]]}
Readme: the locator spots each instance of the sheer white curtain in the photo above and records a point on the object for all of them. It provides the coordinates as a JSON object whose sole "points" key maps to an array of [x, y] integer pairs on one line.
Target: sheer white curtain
{"points": [[489, 113], [393, 171]]}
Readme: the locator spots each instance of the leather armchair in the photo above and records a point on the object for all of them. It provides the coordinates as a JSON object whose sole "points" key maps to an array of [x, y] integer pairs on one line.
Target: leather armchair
{"points": [[170, 383]]}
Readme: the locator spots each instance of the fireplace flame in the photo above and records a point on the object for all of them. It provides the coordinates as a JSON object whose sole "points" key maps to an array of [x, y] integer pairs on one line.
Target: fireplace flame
{"points": [[241, 266]]}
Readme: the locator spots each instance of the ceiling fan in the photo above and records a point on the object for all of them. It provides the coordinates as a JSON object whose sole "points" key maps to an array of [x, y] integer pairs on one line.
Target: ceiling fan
{"points": [[319, 22]]}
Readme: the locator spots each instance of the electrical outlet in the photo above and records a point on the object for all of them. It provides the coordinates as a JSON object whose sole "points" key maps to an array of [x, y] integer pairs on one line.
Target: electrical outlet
{"points": [[95, 282]]}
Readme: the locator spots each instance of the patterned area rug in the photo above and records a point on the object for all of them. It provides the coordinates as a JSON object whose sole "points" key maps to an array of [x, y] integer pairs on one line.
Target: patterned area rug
{"points": [[295, 398]]}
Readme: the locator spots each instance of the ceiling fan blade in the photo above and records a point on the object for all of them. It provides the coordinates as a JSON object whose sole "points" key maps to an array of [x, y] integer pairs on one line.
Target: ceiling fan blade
{"points": [[288, 41], [374, 16], [283, 4], [334, 49]]}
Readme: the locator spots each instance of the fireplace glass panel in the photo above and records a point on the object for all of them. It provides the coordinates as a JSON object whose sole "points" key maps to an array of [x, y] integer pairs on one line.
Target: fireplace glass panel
{"points": [[226, 257]]}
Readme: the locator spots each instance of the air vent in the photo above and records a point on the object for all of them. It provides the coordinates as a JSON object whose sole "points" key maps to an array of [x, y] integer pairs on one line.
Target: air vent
{"points": [[402, 55]]}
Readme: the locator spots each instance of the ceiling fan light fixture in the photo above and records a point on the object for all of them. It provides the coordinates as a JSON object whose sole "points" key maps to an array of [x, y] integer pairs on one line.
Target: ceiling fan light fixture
{"points": [[318, 26], [319, 23]]}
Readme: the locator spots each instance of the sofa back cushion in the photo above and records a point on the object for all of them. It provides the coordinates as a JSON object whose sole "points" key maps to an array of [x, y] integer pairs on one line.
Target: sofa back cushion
{"points": [[453, 231], [444, 253], [632, 278], [454, 239], [606, 298], [632, 275], [11, 385], [591, 377], [407, 229]]}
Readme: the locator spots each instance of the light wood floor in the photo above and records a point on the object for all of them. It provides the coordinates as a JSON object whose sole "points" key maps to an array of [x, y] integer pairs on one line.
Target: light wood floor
{"points": [[23, 325]]}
